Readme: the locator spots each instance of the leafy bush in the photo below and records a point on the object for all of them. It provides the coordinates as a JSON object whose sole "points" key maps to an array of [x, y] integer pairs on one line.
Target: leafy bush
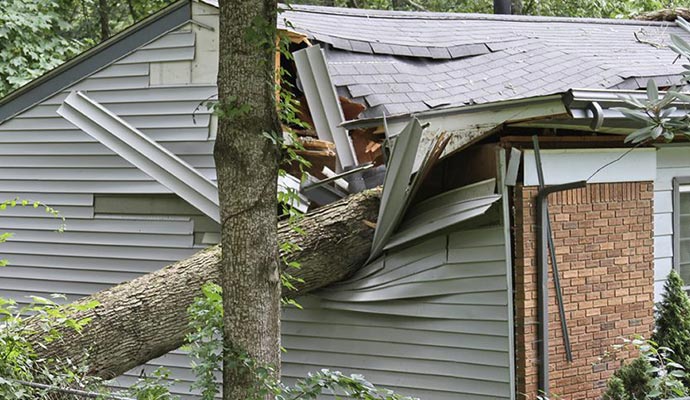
{"points": [[205, 344], [615, 390], [673, 321], [635, 378], [653, 375], [22, 374]]}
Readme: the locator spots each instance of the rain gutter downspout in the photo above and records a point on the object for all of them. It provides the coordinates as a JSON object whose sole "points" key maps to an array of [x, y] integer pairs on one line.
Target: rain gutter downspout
{"points": [[543, 278], [546, 246]]}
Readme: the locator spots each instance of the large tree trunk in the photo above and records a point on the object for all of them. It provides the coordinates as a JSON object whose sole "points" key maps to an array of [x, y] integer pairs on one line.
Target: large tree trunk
{"points": [[147, 317], [247, 168]]}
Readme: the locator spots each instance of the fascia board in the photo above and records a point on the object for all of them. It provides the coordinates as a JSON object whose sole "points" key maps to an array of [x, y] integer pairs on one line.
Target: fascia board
{"points": [[95, 59]]}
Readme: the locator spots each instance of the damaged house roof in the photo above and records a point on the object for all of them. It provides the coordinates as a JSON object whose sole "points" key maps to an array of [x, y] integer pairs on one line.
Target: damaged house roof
{"points": [[405, 62]]}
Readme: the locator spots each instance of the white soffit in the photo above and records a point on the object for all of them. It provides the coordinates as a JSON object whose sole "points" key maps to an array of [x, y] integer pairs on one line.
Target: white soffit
{"points": [[144, 153], [570, 165]]}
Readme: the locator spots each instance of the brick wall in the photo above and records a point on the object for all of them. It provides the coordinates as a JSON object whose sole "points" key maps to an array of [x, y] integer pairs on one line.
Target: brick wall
{"points": [[604, 250]]}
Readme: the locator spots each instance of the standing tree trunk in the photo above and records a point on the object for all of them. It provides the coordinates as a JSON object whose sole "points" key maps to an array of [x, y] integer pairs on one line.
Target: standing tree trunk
{"points": [[104, 19], [132, 11], [247, 168]]}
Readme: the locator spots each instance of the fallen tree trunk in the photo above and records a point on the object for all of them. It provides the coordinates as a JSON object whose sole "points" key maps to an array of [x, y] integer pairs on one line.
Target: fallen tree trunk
{"points": [[145, 318]]}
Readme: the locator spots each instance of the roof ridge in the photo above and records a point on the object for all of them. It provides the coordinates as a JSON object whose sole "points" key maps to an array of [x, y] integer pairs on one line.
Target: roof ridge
{"points": [[428, 15]]}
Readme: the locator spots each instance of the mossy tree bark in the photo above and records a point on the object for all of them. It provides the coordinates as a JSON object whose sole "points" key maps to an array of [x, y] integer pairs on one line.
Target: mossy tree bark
{"points": [[247, 170]]}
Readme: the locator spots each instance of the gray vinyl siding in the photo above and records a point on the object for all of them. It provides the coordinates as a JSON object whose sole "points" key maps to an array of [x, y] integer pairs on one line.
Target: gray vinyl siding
{"points": [[428, 319], [42, 152], [120, 223], [672, 161], [97, 251], [432, 322]]}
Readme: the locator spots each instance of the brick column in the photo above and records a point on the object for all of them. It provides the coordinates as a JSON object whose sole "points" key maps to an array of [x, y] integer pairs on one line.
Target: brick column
{"points": [[604, 250]]}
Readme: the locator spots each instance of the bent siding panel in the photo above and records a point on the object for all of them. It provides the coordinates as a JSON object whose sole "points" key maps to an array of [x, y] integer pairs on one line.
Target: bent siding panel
{"points": [[39, 145], [430, 320]]}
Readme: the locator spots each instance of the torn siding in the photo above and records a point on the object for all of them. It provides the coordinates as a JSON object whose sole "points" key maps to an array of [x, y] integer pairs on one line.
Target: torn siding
{"points": [[432, 321], [429, 318]]}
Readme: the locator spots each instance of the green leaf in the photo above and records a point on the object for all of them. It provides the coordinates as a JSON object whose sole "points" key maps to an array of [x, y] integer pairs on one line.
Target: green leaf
{"points": [[652, 90]]}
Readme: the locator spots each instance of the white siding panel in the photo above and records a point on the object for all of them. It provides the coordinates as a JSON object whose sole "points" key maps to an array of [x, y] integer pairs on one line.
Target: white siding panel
{"points": [[126, 82], [123, 70], [148, 95], [117, 239], [663, 199], [662, 267], [52, 199], [672, 161], [172, 40], [170, 107], [161, 134], [85, 187], [123, 264], [570, 165], [663, 223], [68, 275], [663, 246]]}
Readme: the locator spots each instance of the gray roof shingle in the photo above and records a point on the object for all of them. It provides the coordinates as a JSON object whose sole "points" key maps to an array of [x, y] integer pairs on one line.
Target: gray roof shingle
{"points": [[400, 62]]}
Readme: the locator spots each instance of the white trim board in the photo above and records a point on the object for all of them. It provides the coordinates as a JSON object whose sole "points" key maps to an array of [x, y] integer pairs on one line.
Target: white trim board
{"points": [[570, 165]]}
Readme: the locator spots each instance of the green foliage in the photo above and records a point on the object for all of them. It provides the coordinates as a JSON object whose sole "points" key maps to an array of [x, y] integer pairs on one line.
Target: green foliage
{"points": [[615, 390], [18, 360], [655, 112], [86, 24], [39, 35], [34, 40], [635, 378], [344, 386], [653, 375], [205, 344], [156, 387], [673, 320], [205, 340]]}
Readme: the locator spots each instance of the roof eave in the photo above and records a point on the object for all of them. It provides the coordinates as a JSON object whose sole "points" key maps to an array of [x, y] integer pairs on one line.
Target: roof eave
{"points": [[94, 59], [451, 111]]}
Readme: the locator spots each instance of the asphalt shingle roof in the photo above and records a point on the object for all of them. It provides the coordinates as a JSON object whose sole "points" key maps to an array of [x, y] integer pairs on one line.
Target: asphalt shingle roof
{"points": [[402, 62]]}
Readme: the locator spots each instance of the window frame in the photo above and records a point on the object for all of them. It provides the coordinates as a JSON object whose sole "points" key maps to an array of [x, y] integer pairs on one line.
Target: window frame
{"points": [[677, 183]]}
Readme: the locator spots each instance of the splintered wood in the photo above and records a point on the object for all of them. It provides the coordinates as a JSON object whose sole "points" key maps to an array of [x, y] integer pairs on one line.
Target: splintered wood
{"points": [[367, 143]]}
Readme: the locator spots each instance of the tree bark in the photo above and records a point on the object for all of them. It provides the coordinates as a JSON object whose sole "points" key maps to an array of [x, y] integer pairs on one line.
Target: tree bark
{"points": [[247, 168], [145, 318], [104, 19]]}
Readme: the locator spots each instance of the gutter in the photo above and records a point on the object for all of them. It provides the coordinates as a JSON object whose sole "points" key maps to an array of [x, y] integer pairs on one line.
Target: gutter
{"points": [[452, 111]]}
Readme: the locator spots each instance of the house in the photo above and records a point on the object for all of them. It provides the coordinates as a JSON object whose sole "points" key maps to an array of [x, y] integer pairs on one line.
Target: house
{"points": [[452, 304]]}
